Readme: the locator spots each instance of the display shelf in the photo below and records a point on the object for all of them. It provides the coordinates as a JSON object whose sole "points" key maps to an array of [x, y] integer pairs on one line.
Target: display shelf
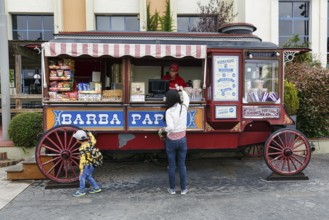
{"points": [[59, 78], [90, 92], [55, 89], [59, 67]]}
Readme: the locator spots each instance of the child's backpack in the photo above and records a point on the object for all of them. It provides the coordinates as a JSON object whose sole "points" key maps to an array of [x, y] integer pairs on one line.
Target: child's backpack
{"points": [[96, 156]]}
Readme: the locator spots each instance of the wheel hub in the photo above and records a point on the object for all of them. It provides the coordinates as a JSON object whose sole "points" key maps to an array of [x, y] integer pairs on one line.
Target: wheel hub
{"points": [[65, 154], [287, 152]]}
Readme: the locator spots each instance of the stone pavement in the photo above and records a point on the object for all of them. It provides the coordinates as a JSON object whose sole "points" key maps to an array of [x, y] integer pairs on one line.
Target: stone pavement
{"points": [[220, 188], [10, 189]]}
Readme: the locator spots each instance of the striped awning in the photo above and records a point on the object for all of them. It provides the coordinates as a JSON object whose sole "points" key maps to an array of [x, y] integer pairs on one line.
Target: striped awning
{"points": [[52, 49]]}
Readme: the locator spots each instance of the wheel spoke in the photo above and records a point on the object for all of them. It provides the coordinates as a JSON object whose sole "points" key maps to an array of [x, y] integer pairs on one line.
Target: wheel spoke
{"points": [[59, 140], [303, 150], [291, 141], [54, 166], [275, 153], [277, 144], [58, 147], [284, 162], [298, 145], [74, 143], [72, 167], [65, 139], [75, 157], [75, 162], [280, 140], [60, 168], [298, 155], [276, 158], [288, 163], [272, 147], [49, 161], [50, 148], [293, 163], [279, 162], [66, 168], [300, 162]]}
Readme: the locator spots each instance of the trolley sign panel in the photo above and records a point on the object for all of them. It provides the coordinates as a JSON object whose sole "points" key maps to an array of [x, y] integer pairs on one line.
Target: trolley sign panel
{"points": [[87, 118], [226, 78], [152, 118], [261, 112], [225, 112]]}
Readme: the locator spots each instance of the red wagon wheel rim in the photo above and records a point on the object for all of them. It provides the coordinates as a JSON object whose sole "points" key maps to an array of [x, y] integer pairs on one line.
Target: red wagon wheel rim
{"points": [[255, 150], [287, 152], [57, 154]]}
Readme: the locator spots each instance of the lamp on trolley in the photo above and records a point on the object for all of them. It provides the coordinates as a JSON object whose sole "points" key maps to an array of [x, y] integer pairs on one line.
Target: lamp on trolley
{"points": [[250, 55], [275, 54]]}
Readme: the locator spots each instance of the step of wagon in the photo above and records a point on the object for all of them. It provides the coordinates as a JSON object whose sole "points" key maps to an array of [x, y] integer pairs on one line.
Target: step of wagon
{"points": [[25, 170]]}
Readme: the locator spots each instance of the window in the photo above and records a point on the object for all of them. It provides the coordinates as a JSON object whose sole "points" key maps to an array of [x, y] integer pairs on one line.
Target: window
{"points": [[33, 27], [187, 23], [294, 19], [117, 23]]}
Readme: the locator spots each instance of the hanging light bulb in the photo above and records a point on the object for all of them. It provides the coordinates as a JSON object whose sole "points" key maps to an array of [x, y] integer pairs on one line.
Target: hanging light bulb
{"points": [[36, 77]]}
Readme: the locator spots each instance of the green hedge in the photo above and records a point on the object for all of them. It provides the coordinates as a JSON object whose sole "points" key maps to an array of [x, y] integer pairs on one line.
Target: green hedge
{"points": [[291, 100], [312, 83], [24, 129]]}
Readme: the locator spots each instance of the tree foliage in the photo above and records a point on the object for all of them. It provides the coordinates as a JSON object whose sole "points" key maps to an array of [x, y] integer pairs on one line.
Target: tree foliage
{"points": [[291, 101], [312, 83], [213, 15], [295, 42], [156, 22], [152, 20]]}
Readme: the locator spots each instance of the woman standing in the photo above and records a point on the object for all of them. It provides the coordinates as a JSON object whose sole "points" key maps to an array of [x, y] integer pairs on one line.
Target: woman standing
{"points": [[177, 102]]}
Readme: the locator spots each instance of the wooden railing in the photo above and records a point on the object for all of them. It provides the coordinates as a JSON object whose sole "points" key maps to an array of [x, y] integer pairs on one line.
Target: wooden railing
{"points": [[25, 103]]}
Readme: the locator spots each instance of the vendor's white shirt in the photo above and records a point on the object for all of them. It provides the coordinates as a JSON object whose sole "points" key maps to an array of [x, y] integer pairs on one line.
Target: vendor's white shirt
{"points": [[176, 120]]}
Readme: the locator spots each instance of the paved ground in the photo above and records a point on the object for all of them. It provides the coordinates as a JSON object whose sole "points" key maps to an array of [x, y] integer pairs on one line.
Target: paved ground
{"points": [[220, 188]]}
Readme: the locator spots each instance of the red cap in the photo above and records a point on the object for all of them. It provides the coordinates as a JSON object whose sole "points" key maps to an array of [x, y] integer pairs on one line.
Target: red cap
{"points": [[174, 67]]}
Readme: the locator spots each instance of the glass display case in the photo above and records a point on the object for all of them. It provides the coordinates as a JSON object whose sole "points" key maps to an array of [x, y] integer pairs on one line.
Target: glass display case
{"points": [[261, 79]]}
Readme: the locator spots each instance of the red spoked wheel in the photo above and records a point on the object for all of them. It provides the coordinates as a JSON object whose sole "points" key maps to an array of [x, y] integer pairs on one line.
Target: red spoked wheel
{"points": [[287, 152], [255, 150], [57, 154]]}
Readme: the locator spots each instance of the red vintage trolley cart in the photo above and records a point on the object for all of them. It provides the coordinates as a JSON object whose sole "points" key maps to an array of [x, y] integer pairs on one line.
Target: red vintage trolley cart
{"points": [[104, 82]]}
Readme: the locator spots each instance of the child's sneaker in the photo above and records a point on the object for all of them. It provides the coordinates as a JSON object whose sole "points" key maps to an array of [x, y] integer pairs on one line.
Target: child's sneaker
{"points": [[95, 190], [78, 194], [171, 191], [183, 192]]}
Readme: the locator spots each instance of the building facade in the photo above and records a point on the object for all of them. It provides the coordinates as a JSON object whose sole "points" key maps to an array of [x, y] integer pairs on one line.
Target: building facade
{"points": [[276, 20]]}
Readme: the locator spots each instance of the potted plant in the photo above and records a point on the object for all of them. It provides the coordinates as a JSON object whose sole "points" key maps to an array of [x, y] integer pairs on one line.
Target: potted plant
{"points": [[291, 101]]}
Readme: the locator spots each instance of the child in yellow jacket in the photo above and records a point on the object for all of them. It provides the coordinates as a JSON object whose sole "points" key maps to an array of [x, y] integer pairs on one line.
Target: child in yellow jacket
{"points": [[85, 165]]}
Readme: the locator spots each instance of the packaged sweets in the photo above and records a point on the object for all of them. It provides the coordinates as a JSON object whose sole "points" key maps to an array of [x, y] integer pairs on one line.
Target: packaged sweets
{"points": [[60, 73], [52, 95], [53, 73], [53, 84]]}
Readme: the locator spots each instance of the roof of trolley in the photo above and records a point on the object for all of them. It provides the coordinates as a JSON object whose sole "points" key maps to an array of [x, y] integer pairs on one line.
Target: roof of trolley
{"points": [[211, 40], [147, 43]]}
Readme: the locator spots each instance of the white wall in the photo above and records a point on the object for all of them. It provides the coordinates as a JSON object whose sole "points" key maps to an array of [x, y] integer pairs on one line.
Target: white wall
{"points": [[318, 30], [30, 6], [188, 6], [263, 14], [116, 6]]}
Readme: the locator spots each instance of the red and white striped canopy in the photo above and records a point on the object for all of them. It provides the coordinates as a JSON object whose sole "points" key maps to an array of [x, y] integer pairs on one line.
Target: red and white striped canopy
{"points": [[118, 50]]}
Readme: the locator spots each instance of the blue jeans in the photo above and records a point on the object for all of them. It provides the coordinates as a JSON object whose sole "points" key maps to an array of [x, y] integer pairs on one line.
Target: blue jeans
{"points": [[178, 147], [87, 175]]}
